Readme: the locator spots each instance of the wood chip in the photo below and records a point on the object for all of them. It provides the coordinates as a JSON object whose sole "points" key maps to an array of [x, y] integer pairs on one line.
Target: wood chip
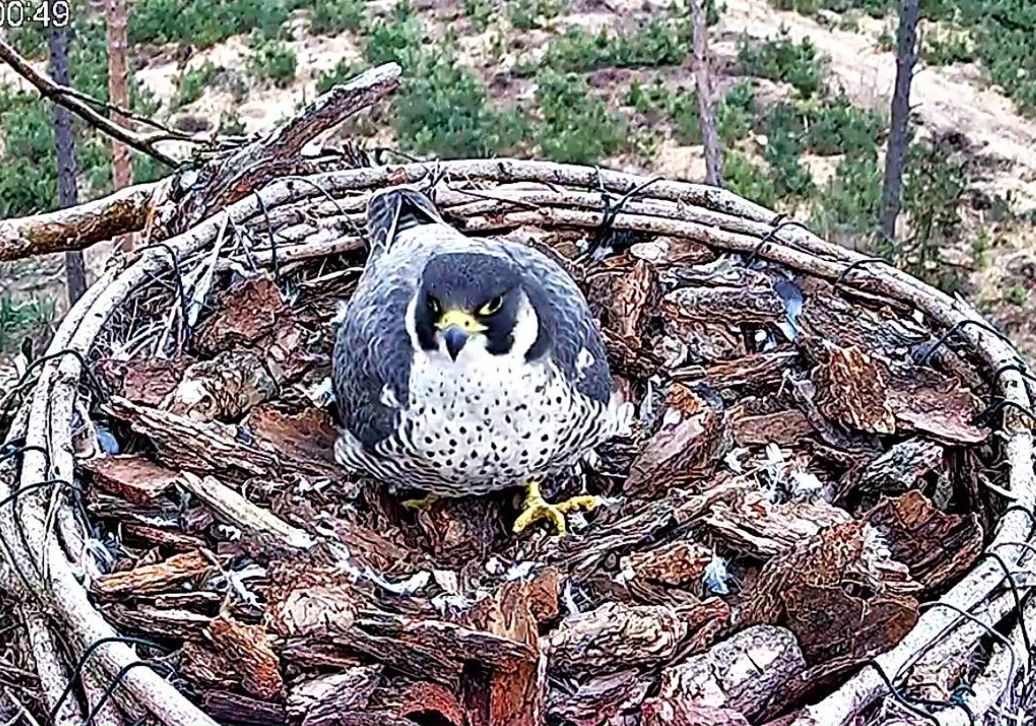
{"points": [[248, 649], [852, 389], [937, 547], [842, 576], [133, 477], [612, 637], [242, 314], [686, 447], [222, 388], [152, 579], [740, 673]]}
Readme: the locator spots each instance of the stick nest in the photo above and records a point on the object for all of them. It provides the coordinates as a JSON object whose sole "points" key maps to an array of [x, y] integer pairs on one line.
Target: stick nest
{"points": [[823, 445]]}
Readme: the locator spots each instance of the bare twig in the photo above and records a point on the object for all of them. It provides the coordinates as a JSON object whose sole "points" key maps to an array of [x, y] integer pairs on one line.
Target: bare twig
{"points": [[65, 96]]}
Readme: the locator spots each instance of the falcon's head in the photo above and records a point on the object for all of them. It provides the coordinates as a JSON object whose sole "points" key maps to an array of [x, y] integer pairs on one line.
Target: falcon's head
{"points": [[474, 299]]}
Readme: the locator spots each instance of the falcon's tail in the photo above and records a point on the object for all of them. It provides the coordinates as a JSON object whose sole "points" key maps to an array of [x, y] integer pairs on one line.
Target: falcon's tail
{"points": [[392, 210]]}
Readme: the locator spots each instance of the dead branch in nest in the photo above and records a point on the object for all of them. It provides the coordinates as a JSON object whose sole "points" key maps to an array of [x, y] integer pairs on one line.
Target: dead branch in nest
{"points": [[78, 227], [277, 155], [74, 102]]}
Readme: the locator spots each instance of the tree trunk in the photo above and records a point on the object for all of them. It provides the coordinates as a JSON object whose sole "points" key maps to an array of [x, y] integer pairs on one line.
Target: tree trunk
{"points": [[703, 77], [899, 131], [75, 272], [119, 94]]}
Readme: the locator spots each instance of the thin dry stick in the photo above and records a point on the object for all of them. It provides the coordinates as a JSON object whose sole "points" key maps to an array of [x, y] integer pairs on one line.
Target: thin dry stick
{"points": [[65, 96]]}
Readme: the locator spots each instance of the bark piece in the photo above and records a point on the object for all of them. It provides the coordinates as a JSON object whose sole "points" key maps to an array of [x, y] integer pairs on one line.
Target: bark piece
{"points": [[599, 701], [900, 468], [612, 637], [663, 251], [660, 712], [512, 696], [852, 389], [318, 701], [783, 428], [146, 381], [686, 446], [133, 477], [755, 526], [724, 292], [247, 648], [236, 509], [306, 436], [222, 388], [230, 707], [937, 547], [678, 564], [174, 624], [739, 673], [156, 578], [937, 404], [843, 576], [627, 296], [308, 600], [427, 701], [243, 313]]}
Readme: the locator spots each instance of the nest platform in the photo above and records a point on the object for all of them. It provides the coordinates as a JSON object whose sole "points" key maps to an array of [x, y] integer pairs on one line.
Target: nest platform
{"points": [[823, 516]]}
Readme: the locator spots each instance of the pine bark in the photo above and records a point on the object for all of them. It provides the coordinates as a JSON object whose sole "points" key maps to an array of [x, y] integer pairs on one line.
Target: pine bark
{"points": [[119, 94]]}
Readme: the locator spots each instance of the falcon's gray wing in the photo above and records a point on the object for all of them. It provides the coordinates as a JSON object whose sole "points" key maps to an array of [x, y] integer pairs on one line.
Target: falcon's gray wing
{"points": [[373, 352], [566, 320]]}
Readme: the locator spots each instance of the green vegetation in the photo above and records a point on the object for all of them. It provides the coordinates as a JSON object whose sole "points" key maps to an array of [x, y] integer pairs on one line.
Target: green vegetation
{"points": [[526, 14], [342, 72], [273, 61], [847, 206], [204, 23], [19, 320], [191, 84], [743, 177], [874, 8], [781, 59], [943, 46], [935, 179], [442, 107], [331, 17], [577, 126], [734, 113], [660, 42], [480, 12]]}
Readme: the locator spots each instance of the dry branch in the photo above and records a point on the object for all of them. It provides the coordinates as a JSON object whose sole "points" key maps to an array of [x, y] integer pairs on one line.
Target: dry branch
{"points": [[73, 101], [76, 228]]}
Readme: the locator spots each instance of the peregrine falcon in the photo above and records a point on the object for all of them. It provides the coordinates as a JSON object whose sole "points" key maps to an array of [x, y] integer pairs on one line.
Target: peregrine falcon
{"points": [[467, 365]]}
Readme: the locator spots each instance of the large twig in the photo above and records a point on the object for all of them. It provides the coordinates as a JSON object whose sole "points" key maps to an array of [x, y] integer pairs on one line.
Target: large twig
{"points": [[278, 154], [76, 228], [67, 97]]}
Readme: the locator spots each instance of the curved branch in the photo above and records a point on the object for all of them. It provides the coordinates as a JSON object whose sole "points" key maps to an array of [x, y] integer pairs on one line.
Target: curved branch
{"points": [[71, 99]]}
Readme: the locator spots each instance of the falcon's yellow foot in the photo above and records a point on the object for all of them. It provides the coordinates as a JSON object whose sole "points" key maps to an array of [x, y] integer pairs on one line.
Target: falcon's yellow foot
{"points": [[535, 508], [422, 503]]}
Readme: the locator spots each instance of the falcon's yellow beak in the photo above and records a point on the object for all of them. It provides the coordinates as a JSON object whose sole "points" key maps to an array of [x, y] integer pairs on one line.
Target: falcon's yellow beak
{"points": [[460, 319]]}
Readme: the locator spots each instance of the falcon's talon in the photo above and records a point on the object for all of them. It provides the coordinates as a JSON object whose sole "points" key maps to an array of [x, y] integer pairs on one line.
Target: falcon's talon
{"points": [[536, 508], [422, 503]]}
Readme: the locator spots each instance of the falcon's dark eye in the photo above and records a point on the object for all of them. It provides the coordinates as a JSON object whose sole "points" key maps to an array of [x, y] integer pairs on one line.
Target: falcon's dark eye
{"points": [[492, 307], [433, 305]]}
